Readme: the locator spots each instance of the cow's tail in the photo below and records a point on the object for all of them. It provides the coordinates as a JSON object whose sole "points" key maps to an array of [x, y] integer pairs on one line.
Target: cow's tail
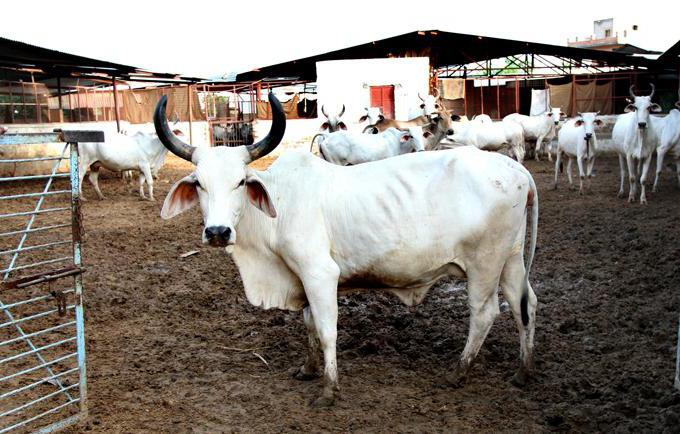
{"points": [[311, 144], [532, 204]]}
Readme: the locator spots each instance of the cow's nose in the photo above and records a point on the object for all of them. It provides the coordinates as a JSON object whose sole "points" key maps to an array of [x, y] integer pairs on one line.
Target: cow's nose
{"points": [[589, 136], [449, 132], [217, 235], [642, 124], [557, 123]]}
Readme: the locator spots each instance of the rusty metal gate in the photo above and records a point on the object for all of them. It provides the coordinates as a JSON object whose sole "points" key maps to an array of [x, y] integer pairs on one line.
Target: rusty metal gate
{"points": [[42, 336]]}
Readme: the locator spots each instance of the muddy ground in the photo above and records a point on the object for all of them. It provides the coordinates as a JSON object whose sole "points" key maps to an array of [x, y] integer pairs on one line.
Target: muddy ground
{"points": [[174, 346]]}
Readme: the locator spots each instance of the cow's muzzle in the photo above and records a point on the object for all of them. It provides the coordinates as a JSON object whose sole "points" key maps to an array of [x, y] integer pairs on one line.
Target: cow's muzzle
{"points": [[588, 136], [217, 236], [642, 125]]}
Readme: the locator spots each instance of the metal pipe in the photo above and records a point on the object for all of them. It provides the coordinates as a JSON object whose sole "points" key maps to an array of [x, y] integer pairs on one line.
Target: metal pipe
{"points": [[20, 196], [30, 160], [37, 383], [36, 247], [191, 115], [43, 414], [61, 108], [78, 278], [44, 365], [35, 401], [42, 211], [28, 231], [115, 103], [38, 109], [25, 178], [36, 264], [30, 317], [37, 350], [39, 332]]}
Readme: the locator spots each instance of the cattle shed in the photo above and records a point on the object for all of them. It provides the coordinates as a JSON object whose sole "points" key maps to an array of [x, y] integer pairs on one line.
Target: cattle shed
{"points": [[478, 74]]}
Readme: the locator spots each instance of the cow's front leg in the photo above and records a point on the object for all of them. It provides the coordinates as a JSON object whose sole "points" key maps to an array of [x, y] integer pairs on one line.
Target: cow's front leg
{"points": [[310, 370], [320, 281], [643, 178]]}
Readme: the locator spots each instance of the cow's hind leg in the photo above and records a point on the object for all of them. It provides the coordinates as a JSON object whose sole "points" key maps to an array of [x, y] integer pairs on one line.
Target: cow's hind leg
{"points": [[512, 281], [483, 302], [310, 370], [94, 179]]}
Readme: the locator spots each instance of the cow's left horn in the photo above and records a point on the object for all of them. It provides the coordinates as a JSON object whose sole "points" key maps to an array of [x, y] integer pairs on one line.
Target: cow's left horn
{"points": [[653, 89], [271, 140], [630, 90], [342, 112], [169, 140]]}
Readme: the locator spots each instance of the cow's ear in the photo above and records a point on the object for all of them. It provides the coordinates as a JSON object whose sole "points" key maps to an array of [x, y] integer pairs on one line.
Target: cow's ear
{"points": [[258, 195], [549, 114], [655, 108], [598, 122], [677, 104], [324, 126], [405, 138], [578, 123], [182, 196], [381, 118], [427, 134], [455, 118], [363, 118], [630, 108], [342, 126]]}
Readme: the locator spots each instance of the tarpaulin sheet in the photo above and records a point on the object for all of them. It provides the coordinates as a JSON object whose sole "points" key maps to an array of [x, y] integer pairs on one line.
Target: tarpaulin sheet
{"points": [[289, 107], [452, 88]]}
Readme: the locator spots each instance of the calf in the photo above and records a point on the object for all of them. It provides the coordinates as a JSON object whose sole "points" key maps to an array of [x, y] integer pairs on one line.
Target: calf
{"points": [[346, 148], [371, 118], [577, 139]]}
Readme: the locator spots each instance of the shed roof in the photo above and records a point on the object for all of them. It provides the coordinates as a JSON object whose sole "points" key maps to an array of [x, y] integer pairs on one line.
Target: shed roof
{"points": [[19, 59], [443, 49]]}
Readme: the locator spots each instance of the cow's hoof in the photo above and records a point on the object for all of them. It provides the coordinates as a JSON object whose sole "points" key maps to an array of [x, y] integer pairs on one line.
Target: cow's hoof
{"points": [[302, 375], [553, 186], [643, 201], [581, 193], [621, 195], [521, 378], [323, 401], [456, 378]]}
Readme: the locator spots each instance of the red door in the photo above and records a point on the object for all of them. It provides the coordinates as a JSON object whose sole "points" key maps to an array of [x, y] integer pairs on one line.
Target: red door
{"points": [[383, 97]]}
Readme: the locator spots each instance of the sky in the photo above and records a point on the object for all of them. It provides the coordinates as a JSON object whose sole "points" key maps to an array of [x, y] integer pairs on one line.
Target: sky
{"points": [[211, 38]]}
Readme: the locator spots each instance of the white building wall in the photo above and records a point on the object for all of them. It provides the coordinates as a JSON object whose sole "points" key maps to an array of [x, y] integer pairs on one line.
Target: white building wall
{"points": [[348, 81]]}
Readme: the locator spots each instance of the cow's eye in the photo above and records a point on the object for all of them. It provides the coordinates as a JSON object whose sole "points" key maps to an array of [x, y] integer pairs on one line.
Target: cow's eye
{"points": [[242, 183]]}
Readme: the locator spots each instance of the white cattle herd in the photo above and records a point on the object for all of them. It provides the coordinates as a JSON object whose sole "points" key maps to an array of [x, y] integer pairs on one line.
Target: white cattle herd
{"points": [[393, 205]]}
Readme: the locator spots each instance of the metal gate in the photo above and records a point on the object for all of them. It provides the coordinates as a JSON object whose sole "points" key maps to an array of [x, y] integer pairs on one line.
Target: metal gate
{"points": [[42, 336], [230, 132]]}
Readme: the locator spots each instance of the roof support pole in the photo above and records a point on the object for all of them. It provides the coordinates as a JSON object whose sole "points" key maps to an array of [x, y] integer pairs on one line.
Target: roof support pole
{"points": [[11, 101], [61, 108], [115, 103], [516, 95], [191, 115], [498, 99], [38, 109]]}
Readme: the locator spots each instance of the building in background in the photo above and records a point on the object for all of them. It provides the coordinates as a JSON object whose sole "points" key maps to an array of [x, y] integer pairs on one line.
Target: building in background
{"points": [[623, 37]]}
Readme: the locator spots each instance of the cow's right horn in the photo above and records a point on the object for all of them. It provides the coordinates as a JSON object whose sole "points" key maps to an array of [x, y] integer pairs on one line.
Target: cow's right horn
{"points": [[169, 140], [653, 90], [421, 98], [271, 140], [323, 110], [632, 93]]}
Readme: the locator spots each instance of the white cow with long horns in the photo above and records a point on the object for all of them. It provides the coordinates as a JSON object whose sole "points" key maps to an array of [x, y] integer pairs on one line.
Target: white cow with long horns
{"points": [[304, 231], [635, 142]]}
